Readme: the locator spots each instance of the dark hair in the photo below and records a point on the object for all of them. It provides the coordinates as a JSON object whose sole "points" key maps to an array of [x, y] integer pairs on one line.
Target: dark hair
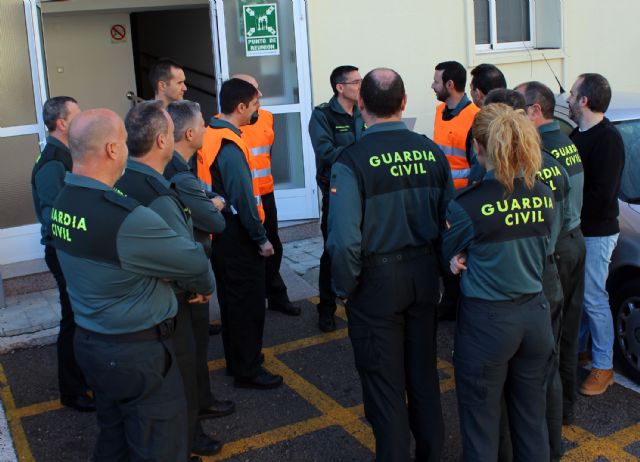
{"points": [[486, 77], [509, 97], [54, 109], [455, 72], [234, 92], [182, 113], [161, 71], [144, 122], [539, 93], [382, 96], [597, 90], [339, 75]]}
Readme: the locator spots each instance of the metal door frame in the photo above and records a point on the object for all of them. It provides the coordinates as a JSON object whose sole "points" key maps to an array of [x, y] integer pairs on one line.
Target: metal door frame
{"points": [[308, 194]]}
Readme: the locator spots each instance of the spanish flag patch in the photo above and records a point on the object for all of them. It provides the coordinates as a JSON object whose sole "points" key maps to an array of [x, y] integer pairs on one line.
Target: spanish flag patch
{"points": [[334, 190]]}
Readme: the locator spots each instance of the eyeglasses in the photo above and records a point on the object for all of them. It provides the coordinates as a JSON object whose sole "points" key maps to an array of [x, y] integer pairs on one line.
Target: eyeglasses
{"points": [[355, 82]]}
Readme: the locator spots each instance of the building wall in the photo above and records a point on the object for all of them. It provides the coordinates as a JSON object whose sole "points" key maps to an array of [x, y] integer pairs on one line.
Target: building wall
{"points": [[412, 37], [95, 71]]}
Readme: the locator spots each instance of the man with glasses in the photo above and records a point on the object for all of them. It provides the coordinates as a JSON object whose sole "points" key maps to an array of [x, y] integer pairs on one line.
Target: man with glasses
{"points": [[333, 126]]}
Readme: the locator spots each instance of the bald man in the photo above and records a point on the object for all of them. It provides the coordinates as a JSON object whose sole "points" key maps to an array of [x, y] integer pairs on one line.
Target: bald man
{"points": [[384, 262], [122, 298], [259, 136]]}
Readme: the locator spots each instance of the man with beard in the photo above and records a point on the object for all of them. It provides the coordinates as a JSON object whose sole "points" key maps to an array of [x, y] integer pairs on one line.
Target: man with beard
{"points": [[450, 132], [453, 118], [602, 151]]}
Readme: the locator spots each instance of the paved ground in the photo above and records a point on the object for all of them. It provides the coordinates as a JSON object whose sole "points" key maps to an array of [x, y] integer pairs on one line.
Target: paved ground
{"points": [[316, 416]]}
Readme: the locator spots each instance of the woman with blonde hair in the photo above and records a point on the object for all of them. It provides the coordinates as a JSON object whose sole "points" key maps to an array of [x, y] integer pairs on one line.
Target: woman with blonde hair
{"points": [[497, 238]]}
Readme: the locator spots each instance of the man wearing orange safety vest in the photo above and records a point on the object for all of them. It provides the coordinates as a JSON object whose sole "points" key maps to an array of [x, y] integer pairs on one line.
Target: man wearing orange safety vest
{"points": [[224, 165], [259, 136], [453, 118], [452, 127]]}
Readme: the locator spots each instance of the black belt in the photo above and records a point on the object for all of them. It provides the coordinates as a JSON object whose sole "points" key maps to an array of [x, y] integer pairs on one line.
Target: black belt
{"points": [[162, 331], [396, 257]]}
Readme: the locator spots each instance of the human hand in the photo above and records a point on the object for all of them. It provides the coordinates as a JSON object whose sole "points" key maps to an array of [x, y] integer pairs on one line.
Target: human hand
{"points": [[200, 298], [266, 249], [458, 263], [218, 202]]}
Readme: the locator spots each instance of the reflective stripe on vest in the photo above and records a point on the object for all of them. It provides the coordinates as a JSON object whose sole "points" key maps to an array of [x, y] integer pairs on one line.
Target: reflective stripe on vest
{"points": [[262, 173], [206, 156], [259, 138], [260, 150], [457, 174], [451, 137]]}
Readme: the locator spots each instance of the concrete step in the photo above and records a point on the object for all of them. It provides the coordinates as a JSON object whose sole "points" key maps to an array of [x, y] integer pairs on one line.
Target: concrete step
{"points": [[34, 276], [25, 277]]}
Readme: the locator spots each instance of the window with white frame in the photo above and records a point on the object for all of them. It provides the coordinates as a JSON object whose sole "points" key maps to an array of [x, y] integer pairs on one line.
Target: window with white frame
{"points": [[504, 24]]}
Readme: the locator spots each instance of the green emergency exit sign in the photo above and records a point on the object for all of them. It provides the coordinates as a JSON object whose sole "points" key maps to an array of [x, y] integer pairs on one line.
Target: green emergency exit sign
{"points": [[261, 29]]}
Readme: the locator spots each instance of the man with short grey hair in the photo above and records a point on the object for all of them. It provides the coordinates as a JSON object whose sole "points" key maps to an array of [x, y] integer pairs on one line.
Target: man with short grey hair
{"points": [[47, 180], [207, 219], [570, 251], [150, 141]]}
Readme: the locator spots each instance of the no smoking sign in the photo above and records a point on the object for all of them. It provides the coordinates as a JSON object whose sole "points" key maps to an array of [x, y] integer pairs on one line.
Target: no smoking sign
{"points": [[118, 33]]}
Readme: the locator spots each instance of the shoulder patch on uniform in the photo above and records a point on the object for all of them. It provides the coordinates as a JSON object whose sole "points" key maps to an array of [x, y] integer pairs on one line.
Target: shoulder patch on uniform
{"points": [[117, 198], [157, 186]]}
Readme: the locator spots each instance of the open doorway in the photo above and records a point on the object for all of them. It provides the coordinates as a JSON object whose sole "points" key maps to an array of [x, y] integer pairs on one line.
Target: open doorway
{"points": [[184, 36]]}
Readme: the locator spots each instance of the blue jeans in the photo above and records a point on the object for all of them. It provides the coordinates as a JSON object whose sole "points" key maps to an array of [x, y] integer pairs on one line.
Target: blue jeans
{"points": [[596, 313]]}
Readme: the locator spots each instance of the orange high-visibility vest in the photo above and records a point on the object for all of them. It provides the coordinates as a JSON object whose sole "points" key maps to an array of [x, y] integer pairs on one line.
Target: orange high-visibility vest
{"points": [[206, 156], [259, 139], [451, 137]]}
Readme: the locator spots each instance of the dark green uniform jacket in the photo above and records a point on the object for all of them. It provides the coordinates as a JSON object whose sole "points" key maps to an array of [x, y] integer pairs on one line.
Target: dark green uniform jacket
{"points": [[231, 178], [505, 238], [553, 175], [115, 255], [562, 148], [389, 192], [152, 190], [207, 219], [47, 180], [331, 130]]}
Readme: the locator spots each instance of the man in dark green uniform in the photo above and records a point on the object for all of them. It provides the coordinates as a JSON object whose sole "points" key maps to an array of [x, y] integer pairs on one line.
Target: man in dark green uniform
{"points": [[117, 257], [47, 179], [389, 193], [333, 126], [150, 143], [188, 131], [570, 249], [556, 177]]}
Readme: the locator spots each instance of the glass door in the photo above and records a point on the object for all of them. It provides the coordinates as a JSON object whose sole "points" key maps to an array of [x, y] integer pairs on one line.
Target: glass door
{"points": [[22, 92], [268, 39]]}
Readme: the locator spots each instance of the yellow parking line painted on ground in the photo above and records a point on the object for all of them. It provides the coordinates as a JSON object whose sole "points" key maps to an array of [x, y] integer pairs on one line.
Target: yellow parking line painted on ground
{"points": [[590, 447], [35, 409], [280, 434], [272, 437], [216, 364], [307, 342], [20, 442], [626, 436], [323, 402]]}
